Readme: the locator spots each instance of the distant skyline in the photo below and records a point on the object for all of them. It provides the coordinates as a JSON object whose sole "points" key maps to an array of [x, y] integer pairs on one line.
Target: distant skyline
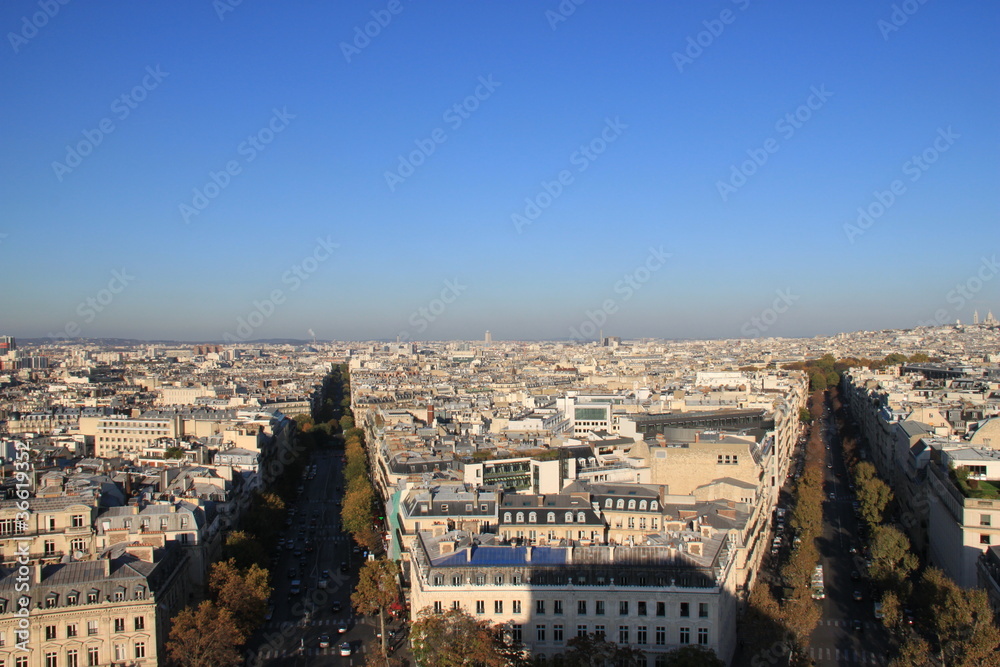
{"points": [[223, 171]]}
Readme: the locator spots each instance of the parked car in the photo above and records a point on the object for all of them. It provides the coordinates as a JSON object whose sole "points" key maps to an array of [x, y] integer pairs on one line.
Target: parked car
{"points": [[324, 641], [345, 650]]}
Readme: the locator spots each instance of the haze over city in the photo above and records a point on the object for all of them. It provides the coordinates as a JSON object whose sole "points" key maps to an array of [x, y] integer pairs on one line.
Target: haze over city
{"points": [[392, 169]]}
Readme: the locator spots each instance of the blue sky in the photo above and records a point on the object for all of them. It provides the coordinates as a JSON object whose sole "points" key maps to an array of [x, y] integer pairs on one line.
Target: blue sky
{"points": [[674, 101]]}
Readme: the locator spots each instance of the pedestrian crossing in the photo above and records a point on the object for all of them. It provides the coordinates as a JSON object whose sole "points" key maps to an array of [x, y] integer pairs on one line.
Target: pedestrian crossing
{"points": [[842, 623], [845, 656], [351, 621], [271, 654]]}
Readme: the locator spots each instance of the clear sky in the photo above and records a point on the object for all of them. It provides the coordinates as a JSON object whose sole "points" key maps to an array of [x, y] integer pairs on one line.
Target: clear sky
{"points": [[193, 169]]}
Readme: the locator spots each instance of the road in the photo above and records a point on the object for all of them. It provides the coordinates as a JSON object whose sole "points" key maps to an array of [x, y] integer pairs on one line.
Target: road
{"points": [[835, 640], [292, 635]]}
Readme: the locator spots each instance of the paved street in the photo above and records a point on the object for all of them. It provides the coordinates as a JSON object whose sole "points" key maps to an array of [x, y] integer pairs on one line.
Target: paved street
{"points": [[314, 543], [836, 640]]}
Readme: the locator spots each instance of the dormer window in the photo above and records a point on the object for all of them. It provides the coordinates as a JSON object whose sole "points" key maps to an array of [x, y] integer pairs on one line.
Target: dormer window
{"points": [[607, 503], [631, 504], [569, 517], [620, 504], [532, 517], [92, 596], [73, 598], [652, 505], [506, 517], [642, 504], [520, 517], [581, 517], [140, 592], [51, 600]]}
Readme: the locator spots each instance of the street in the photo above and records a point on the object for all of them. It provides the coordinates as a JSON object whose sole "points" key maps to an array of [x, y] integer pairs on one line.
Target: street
{"points": [[848, 632]]}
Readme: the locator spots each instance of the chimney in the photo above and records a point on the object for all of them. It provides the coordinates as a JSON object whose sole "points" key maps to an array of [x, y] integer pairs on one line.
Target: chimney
{"points": [[527, 553], [468, 553], [430, 415], [38, 572], [106, 561]]}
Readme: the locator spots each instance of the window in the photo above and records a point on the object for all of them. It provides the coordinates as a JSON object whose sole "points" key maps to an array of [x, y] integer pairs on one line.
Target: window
{"points": [[52, 523], [515, 633], [685, 609], [455, 604], [71, 630], [702, 610], [652, 505], [77, 521], [92, 597], [506, 517], [620, 504], [140, 649], [540, 633], [569, 517], [119, 625], [661, 608], [581, 517], [78, 544], [557, 633], [498, 580], [51, 660], [984, 520], [480, 579], [661, 635], [51, 600], [685, 636], [516, 604], [438, 608], [520, 517], [50, 547], [119, 596], [93, 656], [703, 636], [581, 631], [581, 607], [642, 505], [22, 661], [623, 608], [540, 606], [623, 634], [532, 517], [984, 538], [119, 651], [641, 608], [607, 503], [557, 607], [551, 517], [631, 504], [91, 628], [438, 580], [50, 632], [73, 598], [480, 606], [3, 641], [599, 604], [498, 606], [456, 581], [72, 658], [599, 631]]}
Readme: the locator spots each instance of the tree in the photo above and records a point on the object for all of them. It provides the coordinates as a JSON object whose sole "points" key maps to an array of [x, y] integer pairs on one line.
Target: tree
{"points": [[873, 496], [914, 652], [919, 358], [894, 359], [356, 513], [205, 637], [245, 549], [377, 589], [346, 422], [454, 639], [243, 593], [593, 650], [692, 656], [960, 620], [173, 453], [892, 559]]}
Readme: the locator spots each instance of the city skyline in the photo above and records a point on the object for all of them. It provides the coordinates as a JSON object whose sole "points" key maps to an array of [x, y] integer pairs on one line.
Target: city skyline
{"points": [[235, 172]]}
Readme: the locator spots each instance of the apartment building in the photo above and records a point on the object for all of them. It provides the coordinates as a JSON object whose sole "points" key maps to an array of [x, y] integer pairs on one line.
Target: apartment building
{"points": [[54, 528], [653, 598], [112, 611]]}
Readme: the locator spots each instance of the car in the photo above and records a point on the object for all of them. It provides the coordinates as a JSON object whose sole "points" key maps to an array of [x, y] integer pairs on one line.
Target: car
{"points": [[325, 574], [857, 625], [343, 566], [295, 588], [291, 573], [324, 641], [855, 575], [310, 547], [356, 549], [270, 612], [830, 466], [297, 553], [908, 616], [336, 607], [342, 629], [345, 650], [858, 596], [833, 496]]}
